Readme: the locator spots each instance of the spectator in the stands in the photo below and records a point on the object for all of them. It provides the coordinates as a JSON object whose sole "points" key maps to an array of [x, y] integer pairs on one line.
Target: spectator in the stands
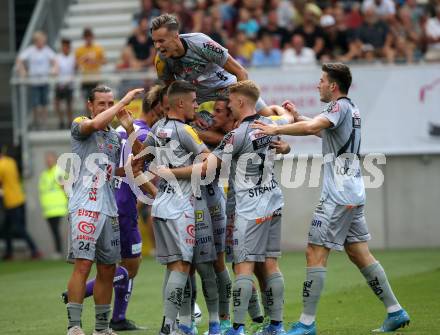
{"points": [[280, 35], [64, 86], [301, 7], [312, 33], [241, 48], [266, 55], [298, 53], [147, 9], [406, 38], [142, 44], [209, 29], [385, 9], [89, 60], [432, 31], [374, 39], [128, 63], [354, 16], [247, 24], [285, 12], [184, 16], [38, 62]]}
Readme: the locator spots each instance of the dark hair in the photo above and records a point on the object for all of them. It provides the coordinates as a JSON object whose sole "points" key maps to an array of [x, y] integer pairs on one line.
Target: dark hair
{"points": [[65, 41], [180, 87], [222, 97], [152, 98], [165, 20], [340, 74], [98, 89], [87, 32]]}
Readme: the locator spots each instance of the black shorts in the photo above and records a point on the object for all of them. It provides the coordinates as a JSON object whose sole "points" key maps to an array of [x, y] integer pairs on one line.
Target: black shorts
{"points": [[64, 93]]}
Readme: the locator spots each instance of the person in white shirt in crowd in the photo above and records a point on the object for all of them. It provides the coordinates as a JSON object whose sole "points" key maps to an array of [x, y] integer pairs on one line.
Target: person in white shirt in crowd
{"points": [[432, 32], [37, 62], [64, 87], [298, 54], [385, 9]]}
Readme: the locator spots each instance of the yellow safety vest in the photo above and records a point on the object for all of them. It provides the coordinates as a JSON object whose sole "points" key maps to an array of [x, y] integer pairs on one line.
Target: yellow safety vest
{"points": [[52, 197]]}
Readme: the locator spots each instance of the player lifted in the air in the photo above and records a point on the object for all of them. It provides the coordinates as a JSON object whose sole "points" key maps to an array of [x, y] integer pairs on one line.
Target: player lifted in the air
{"points": [[197, 59]]}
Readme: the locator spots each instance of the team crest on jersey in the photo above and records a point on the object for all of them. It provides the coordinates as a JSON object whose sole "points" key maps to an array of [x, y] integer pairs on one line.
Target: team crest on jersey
{"points": [[333, 107], [164, 133]]}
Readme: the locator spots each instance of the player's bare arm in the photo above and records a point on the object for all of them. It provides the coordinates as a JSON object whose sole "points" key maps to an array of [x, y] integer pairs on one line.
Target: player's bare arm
{"points": [[126, 120], [233, 67], [281, 147], [102, 120], [183, 172], [302, 128]]}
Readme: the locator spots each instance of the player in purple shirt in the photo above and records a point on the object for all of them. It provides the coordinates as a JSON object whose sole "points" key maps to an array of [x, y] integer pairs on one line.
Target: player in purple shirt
{"points": [[126, 199]]}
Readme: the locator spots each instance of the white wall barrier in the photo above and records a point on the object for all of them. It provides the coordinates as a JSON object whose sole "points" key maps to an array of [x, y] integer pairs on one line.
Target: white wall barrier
{"points": [[398, 104]]}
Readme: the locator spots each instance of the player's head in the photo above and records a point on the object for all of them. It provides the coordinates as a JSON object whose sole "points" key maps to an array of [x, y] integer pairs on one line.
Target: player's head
{"points": [[51, 159], [88, 35], [182, 99], [335, 81], [100, 98], [39, 39], [221, 114], [165, 34], [65, 46], [151, 104], [243, 95]]}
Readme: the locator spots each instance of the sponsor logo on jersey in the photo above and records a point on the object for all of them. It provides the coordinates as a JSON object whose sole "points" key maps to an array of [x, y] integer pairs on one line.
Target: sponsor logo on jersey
{"points": [[259, 140], [86, 228], [214, 47], [260, 190], [199, 216], [203, 240], [164, 133], [89, 214], [191, 230], [316, 223], [85, 238], [263, 219]]}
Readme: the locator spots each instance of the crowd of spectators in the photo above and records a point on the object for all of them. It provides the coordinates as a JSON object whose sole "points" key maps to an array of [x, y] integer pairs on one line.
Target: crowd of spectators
{"points": [[291, 32], [258, 33]]}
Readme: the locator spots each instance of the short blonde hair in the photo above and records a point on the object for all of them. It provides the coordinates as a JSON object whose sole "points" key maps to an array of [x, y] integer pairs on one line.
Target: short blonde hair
{"points": [[248, 88]]}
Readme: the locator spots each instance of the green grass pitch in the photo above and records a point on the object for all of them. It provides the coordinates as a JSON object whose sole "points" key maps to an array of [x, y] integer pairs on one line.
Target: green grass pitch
{"points": [[30, 303]]}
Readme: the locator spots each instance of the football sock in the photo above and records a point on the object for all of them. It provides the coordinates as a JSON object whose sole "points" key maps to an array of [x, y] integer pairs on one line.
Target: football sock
{"points": [[74, 311], [254, 308], [275, 296], [224, 290], [241, 294], [210, 289], [312, 289], [165, 281], [193, 293], [123, 287], [102, 316], [173, 298], [185, 315], [378, 281]]}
